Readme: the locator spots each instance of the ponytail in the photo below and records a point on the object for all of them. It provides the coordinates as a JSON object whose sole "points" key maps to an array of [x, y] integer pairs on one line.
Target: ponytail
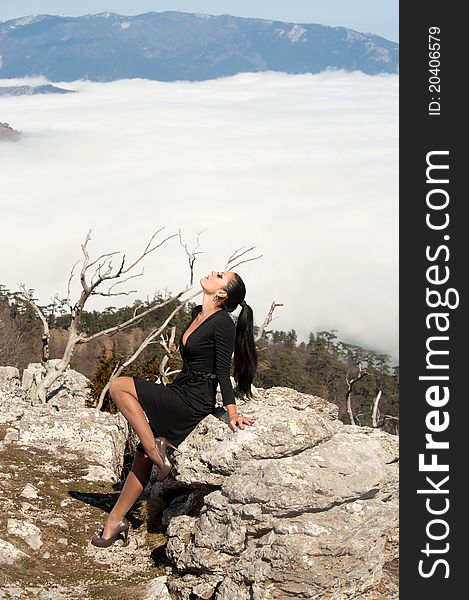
{"points": [[245, 354], [245, 351]]}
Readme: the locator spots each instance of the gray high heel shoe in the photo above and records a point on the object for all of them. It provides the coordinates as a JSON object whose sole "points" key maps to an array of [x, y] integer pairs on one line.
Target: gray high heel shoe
{"points": [[162, 444], [102, 542]]}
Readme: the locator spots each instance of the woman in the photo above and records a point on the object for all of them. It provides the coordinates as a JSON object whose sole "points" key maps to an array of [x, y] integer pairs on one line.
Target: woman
{"points": [[173, 411]]}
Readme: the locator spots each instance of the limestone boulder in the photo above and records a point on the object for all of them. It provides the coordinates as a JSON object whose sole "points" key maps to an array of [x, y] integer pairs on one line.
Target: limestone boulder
{"points": [[297, 505]]}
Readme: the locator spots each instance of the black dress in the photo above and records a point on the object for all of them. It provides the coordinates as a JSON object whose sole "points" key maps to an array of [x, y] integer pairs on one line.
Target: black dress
{"points": [[174, 410]]}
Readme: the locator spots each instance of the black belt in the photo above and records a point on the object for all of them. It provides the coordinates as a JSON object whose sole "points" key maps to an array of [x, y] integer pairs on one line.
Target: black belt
{"points": [[203, 375]]}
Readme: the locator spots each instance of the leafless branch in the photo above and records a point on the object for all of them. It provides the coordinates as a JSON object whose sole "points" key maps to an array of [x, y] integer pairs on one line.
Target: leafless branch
{"points": [[148, 249], [107, 274], [121, 326], [121, 281], [102, 256], [116, 328], [67, 299], [114, 294], [235, 255], [191, 256], [103, 272]]}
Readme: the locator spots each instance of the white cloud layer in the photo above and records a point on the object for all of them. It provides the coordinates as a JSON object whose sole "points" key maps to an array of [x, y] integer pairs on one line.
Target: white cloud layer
{"points": [[304, 167]]}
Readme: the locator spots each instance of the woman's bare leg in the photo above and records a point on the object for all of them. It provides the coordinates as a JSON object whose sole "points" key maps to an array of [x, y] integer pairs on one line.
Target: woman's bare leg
{"points": [[135, 483], [123, 392]]}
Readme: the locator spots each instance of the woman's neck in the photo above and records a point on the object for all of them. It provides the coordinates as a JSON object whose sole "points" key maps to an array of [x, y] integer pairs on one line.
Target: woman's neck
{"points": [[208, 307]]}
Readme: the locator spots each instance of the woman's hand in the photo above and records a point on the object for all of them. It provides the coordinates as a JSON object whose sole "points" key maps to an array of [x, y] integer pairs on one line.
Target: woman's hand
{"points": [[240, 421]]}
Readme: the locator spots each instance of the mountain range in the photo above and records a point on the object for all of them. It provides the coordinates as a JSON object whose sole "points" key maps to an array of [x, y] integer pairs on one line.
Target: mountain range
{"points": [[171, 46]]}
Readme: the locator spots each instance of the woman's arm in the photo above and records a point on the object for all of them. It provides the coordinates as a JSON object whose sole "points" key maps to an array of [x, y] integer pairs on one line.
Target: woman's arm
{"points": [[225, 335]]}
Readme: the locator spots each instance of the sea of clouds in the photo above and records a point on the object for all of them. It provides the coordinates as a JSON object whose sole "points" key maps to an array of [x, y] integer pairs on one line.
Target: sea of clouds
{"points": [[304, 167]]}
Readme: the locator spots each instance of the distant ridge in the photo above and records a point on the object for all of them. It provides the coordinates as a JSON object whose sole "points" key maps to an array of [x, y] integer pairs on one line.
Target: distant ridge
{"points": [[170, 46], [29, 90]]}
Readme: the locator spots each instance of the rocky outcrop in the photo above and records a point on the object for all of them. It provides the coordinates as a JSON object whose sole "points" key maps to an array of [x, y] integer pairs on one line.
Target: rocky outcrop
{"points": [[298, 505], [63, 425]]}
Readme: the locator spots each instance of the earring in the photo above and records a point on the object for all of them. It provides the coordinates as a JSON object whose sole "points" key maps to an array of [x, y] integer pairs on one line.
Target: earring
{"points": [[215, 298]]}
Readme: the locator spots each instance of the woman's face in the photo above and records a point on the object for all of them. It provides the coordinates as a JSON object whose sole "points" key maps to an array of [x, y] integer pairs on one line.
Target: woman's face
{"points": [[216, 280]]}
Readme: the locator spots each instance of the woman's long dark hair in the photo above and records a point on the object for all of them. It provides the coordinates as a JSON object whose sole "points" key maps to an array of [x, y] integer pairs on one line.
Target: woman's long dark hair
{"points": [[245, 352]]}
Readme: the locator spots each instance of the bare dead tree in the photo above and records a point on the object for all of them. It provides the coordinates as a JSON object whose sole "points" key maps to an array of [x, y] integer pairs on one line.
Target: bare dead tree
{"points": [[350, 383], [103, 272]]}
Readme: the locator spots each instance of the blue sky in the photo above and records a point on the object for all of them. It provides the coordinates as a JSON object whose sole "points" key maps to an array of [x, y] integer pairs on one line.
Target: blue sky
{"points": [[374, 16]]}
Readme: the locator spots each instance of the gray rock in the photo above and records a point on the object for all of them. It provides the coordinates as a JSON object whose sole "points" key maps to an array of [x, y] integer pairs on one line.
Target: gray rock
{"points": [[62, 425], [198, 586], [9, 554], [9, 375], [350, 466], [25, 530], [11, 435], [13, 401], [70, 390], [29, 491], [157, 590], [287, 423], [98, 436]]}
